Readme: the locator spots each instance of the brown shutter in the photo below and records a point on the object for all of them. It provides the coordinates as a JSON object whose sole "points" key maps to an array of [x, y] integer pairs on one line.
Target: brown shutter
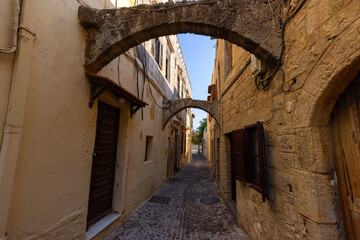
{"points": [[157, 51], [214, 92], [153, 42], [161, 55], [238, 153], [262, 160]]}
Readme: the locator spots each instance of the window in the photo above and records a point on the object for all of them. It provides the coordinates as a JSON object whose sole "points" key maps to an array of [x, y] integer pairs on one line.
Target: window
{"points": [[182, 143], [212, 89], [158, 52], [153, 42], [227, 59], [148, 148], [167, 66], [178, 88], [248, 152]]}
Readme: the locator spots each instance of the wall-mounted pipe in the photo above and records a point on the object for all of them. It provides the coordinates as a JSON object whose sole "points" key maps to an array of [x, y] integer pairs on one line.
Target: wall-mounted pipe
{"points": [[12, 49], [9, 152]]}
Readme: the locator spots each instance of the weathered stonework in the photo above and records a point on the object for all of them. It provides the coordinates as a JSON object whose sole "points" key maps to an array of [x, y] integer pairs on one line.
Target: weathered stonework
{"points": [[322, 52], [249, 24], [172, 107]]}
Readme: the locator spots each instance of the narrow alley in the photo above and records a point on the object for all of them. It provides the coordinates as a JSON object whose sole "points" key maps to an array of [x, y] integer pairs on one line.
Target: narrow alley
{"points": [[188, 206]]}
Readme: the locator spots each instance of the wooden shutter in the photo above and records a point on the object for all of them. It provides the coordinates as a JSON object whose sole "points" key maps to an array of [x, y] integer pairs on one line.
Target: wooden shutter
{"points": [[214, 92], [153, 47], [161, 55], [248, 159], [157, 51], [238, 153], [262, 159]]}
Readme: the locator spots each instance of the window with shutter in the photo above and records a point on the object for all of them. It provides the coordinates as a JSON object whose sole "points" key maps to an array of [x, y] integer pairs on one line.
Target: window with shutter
{"points": [[255, 159], [157, 51], [167, 66], [248, 155], [161, 55], [153, 47]]}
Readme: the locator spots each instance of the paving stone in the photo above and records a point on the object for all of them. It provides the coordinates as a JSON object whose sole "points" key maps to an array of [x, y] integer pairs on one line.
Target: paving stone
{"points": [[183, 217]]}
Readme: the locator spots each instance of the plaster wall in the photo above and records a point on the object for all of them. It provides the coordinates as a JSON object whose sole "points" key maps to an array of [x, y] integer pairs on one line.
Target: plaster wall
{"points": [[52, 178], [54, 164], [7, 16], [322, 54]]}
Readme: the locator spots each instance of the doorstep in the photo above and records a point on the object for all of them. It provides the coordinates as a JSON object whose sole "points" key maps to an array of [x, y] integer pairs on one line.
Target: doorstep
{"points": [[100, 225], [232, 207]]}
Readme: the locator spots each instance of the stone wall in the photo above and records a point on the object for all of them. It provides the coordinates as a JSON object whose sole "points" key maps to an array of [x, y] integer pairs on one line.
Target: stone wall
{"points": [[323, 54]]}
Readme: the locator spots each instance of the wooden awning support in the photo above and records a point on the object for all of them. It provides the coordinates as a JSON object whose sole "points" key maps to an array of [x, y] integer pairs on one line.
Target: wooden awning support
{"points": [[100, 83]]}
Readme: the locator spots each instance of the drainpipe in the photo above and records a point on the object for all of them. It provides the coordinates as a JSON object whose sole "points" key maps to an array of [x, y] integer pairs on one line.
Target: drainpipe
{"points": [[15, 29], [10, 147]]}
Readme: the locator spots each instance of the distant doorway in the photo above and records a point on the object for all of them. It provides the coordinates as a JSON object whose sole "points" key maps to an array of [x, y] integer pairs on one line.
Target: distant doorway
{"points": [[103, 164]]}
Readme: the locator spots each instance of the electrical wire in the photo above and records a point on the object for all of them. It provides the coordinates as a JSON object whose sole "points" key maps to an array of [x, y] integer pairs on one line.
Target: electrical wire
{"points": [[262, 84], [144, 63]]}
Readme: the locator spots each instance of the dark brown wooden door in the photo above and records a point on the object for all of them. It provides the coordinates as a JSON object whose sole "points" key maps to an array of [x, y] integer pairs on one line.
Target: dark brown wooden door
{"points": [[103, 165], [345, 137]]}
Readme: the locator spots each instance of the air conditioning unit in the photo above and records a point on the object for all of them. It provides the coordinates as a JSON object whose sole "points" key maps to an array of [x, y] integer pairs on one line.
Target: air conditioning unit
{"points": [[257, 66]]}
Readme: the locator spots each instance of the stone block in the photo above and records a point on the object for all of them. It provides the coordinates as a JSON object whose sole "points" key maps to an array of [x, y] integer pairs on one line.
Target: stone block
{"points": [[313, 150], [346, 46], [283, 203], [280, 160], [302, 114], [282, 181], [312, 230], [287, 143], [314, 197], [321, 73]]}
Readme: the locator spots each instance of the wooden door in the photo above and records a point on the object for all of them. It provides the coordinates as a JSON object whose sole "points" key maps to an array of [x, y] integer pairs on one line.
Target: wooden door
{"points": [[344, 128], [103, 165]]}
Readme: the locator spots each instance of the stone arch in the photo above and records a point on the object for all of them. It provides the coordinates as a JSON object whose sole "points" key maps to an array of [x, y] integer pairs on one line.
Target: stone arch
{"points": [[175, 106], [329, 78], [247, 23], [334, 70]]}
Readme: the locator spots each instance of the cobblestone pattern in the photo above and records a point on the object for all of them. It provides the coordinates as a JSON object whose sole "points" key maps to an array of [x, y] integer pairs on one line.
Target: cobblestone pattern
{"points": [[184, 217]]}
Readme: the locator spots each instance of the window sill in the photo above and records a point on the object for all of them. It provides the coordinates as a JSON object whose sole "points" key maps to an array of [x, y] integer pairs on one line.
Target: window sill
{"points": [[255, 186], [100, 225]]}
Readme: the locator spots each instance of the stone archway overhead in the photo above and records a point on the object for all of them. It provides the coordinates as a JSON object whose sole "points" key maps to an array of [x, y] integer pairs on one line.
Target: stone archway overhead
{"points": [[172, 107], [246, 23]]}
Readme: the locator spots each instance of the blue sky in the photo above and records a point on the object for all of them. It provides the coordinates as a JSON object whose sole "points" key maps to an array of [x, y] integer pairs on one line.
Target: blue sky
{"points": [[199, 54]]}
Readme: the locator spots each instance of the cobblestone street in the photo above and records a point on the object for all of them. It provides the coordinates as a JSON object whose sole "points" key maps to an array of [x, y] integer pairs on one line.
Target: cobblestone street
{"points": [[188, 206]]}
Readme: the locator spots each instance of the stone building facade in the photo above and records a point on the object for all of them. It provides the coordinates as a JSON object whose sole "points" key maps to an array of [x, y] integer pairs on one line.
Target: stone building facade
{"points": [[310, 122], [51, 138], [48, 133]]}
